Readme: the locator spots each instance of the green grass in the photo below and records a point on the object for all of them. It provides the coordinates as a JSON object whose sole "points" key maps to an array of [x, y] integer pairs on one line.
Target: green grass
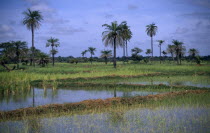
{"points": [[19, 78]]}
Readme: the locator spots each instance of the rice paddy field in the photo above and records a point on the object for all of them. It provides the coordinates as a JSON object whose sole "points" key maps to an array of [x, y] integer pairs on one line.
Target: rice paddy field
{"points": [[98, 98]]}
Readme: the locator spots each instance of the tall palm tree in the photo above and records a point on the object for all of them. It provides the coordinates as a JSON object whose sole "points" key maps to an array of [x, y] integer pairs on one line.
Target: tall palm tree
{"points": [[160, 44], [151, 31], [171, 50], [193, 52], [126, 35], [113, 36], [53, 42], [84, 53], [178, 50], [19, 46], [91, 50], [106, 54], [32, 20]]}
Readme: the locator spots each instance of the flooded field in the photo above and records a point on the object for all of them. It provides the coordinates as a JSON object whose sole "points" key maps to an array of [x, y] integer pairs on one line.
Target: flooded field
{"points": [[184, 114], [39, 96]]}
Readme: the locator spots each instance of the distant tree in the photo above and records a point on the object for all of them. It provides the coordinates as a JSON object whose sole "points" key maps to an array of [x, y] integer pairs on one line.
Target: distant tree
{"points": [[160, 44], [171, 50], [148, 52], [19, 47], [6, 54], [113, 36], [53, 42], [193, 52], [32, 21], [135, 51], [84, 53], [42, 58], [178, 50], [151, 31], [106, 54], [91, 50], [164, 53]]}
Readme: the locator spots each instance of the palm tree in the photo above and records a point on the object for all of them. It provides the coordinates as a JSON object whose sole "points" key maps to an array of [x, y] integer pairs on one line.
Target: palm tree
{"points": [[171, 50], [113, 36], [126, 35], [151, 31], [106, 54], [19, 46], [178, 50], [32, 21], [91, 50], [193, 52], [148, 52], [84, 52], [53, 42], [160, 43]]}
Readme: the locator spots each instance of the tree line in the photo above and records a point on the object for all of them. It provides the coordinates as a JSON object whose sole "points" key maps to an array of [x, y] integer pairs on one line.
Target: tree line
{"points": [[114, 35]]}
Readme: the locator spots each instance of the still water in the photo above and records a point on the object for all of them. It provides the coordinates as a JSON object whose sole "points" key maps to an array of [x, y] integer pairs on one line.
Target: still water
{"points": [[39, 96]]}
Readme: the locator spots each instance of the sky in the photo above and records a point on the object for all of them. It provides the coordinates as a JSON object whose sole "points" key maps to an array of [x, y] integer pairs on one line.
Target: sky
{"points": [[78, 23]]}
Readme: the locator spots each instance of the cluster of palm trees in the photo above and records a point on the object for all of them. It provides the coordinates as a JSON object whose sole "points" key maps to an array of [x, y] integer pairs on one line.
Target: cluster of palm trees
{"points": [[32, 20], [91, 50], [116, 35]]}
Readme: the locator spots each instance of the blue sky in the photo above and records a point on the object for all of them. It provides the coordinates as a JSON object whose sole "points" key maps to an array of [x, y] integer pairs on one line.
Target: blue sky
{"points": [[78, 23]]}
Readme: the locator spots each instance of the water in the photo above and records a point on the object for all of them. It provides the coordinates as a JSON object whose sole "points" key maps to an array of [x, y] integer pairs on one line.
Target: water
{"points": [[179, 83], [177, 119], [10, 101]]}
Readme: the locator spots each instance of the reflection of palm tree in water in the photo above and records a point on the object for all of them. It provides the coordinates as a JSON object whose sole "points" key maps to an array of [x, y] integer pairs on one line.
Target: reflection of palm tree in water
{"points": [[54, 92], [115, 92], [45, 92], [33, 97]]}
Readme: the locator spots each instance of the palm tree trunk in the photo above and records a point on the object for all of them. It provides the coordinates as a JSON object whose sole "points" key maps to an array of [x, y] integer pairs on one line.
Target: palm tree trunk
{"points": [[160, 54], [53, 59], [53, 56], [91, 59], [177, 58], [114, 60], [152, 45], [105, 60], [123, 51], [17, 54], [33, 48], [33, 98], [126, 42]]}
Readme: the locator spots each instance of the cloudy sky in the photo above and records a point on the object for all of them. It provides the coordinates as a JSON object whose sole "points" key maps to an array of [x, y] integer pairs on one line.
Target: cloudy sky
{"points": [[78, 23]]}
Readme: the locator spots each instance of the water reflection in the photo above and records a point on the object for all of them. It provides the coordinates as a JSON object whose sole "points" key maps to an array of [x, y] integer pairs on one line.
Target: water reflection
{"points": [[170, 83], [10, 100]]}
